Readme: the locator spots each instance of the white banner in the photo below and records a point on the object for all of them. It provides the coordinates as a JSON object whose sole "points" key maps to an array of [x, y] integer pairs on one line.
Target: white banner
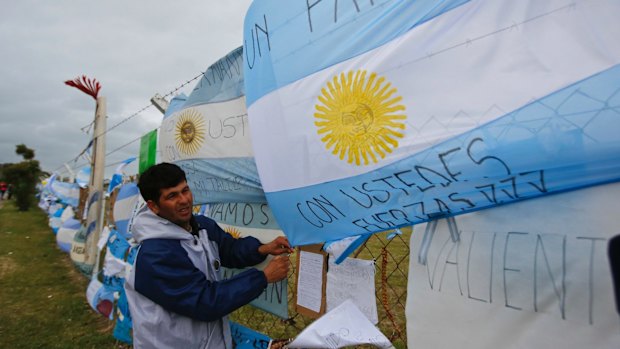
{"points": [[534, 274]]}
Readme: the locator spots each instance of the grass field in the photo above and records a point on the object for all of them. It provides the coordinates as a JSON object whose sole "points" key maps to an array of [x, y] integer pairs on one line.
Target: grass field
{"points": [[42, 296]]}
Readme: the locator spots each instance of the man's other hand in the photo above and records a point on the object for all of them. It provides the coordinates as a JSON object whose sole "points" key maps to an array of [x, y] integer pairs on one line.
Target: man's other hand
{"points": [[277, 269]]}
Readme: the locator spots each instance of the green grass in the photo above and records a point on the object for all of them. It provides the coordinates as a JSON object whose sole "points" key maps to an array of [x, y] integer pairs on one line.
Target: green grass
{"points": [[42, 296]]}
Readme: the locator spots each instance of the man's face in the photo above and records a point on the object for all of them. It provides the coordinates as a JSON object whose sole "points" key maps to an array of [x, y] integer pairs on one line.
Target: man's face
{"points": [[175, 204]]}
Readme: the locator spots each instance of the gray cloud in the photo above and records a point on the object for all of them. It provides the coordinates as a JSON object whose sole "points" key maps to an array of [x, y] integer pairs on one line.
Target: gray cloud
{"points": [[134, 49]]}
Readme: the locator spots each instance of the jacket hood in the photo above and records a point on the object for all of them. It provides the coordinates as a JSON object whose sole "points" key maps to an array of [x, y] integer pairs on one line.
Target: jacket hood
{"points": [[147, 225]]}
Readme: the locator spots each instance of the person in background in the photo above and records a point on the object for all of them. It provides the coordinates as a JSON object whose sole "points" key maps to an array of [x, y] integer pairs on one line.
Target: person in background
{"points": [[175, 293], [2, 190]]}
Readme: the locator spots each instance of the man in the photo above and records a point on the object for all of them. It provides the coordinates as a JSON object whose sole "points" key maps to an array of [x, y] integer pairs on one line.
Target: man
{"points": [[175, 294]]}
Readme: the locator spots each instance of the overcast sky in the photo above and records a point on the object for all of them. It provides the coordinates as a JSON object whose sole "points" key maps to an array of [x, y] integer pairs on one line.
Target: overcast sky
{"points": [[135, 49]]}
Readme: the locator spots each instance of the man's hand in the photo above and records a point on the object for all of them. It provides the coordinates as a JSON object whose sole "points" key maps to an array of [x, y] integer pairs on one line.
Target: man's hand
{"points": [[278, 246], [277, 269]]}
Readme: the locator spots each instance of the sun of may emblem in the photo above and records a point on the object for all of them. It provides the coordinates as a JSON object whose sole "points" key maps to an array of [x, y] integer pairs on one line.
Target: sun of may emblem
{"points": [[359, 117], [234, 232], [189, 132]]}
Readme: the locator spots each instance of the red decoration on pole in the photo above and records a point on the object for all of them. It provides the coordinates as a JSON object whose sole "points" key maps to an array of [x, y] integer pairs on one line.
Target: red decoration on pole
{"points": [[86, 85]]}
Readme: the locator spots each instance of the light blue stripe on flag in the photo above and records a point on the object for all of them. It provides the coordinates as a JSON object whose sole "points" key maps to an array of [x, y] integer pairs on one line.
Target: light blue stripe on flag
{"points": [[175, 105], [319, 34], [128, 196], [223, 180], [208, 137], [68, 193], [222, 81]]}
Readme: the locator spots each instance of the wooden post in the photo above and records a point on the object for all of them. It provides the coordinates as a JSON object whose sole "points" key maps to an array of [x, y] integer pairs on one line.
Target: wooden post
{"points": [[97, 173], [96, 211]]}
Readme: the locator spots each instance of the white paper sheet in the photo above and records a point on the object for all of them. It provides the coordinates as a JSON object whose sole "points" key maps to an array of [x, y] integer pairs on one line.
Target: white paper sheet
{"points": [[343, 326], [352, 279], [103, 239], [310, 280]]}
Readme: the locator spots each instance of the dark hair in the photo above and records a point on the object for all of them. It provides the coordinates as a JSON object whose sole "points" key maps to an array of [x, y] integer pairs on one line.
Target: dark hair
{"points": [[157, 177]]}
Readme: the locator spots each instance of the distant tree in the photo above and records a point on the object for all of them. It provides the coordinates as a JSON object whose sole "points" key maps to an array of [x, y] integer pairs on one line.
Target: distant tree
{"points": [[2, 166], [24, 151], [23, 176]]}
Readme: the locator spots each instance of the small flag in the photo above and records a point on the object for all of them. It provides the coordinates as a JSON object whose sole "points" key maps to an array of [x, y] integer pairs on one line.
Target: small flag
{"points": [[148, 151]]}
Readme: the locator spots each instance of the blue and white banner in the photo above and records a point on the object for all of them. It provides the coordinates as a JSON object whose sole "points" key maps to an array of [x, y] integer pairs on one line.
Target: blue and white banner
{"points": [[100, 299], [67, 193], [117, 177], [242, 220], [55, 221], [246, 338], [83, 177], [66, 233], [175, 105], [80, 246], [92, 213], [368, 116], [209, 137], [125, 208], [115, 264]]}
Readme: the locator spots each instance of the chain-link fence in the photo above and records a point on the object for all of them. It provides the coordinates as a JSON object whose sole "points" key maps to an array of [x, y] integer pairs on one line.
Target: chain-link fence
{"points": [[391, 258]]}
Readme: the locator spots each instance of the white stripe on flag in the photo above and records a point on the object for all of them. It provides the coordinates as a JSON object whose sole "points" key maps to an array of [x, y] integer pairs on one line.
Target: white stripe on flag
{"points": [[213, 130]]}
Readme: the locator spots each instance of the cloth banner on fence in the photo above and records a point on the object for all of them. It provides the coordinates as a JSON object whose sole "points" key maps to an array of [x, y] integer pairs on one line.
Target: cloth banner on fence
{"points": [[246, 338], [123, 326], [116, 254], [83, 177], [413, 110], [535, 274], [81, 244], [55, 221], [125, 208], [242, 220], [148, 151], [100, 299], [117, 177], [66, 233], [92, 212], [67, 213], [68, 193], [209, 138], [175, 105]]}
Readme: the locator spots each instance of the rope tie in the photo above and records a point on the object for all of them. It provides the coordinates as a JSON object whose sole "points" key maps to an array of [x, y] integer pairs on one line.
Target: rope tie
{"points": [[384, 293]]}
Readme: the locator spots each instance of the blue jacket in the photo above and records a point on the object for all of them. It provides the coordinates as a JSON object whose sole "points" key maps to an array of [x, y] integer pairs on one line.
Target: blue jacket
{"points": [[175, 293]]}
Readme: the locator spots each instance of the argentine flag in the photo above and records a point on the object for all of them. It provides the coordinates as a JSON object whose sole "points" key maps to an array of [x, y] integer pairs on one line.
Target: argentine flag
{"points": [[117, 177], [68, 193], [66, 233], [208, 137], [371, 115], [126, 204], [83, 177]]}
